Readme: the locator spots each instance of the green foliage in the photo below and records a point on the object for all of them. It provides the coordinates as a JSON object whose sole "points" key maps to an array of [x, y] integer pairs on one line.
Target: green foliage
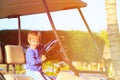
{"points": [[7, 38], [20, 69], [11, 37], [78, 45], [104, 34], [51, 70]]}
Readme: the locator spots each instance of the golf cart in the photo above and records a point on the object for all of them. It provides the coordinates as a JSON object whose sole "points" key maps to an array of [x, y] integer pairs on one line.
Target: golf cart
{"points": [[18, 8]]}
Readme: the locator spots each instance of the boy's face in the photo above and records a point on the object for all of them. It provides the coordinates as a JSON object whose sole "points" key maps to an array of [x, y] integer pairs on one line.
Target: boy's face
{"points": [[34, 43]]}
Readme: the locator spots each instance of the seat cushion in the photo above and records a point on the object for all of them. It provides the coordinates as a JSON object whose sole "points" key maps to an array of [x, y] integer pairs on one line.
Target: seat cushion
{"points": [[14, 54], [17, 77], [67, 76]]}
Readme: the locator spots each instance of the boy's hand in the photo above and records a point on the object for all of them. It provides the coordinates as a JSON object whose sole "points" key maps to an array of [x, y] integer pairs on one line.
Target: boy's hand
{"points": [[43, 57]]}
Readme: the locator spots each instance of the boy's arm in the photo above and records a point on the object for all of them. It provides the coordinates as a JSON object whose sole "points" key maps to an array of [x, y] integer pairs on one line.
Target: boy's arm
{"points": [[32, 59]]}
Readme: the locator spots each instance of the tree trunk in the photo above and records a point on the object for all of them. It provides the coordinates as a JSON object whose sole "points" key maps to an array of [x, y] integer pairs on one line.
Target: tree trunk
{"points": [[113, 35]]}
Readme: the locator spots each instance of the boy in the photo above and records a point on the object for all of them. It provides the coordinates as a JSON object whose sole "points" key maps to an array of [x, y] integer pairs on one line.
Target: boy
{"points": [[34, 57]]}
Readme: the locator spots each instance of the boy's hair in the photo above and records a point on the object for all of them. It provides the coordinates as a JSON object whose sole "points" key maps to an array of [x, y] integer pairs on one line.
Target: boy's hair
{"points": [[34, 34]]}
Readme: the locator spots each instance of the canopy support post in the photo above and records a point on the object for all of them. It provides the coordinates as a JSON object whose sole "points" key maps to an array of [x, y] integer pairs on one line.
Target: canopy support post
{"points": [[19, 30], [87, 26], [59, 41]]}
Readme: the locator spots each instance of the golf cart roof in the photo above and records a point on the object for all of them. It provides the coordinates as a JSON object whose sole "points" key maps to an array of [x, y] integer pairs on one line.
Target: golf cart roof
{"points": [[28, 7]]}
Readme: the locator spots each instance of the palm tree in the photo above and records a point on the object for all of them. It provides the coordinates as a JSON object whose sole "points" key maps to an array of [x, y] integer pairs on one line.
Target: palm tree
{"points": [[113, 34]]}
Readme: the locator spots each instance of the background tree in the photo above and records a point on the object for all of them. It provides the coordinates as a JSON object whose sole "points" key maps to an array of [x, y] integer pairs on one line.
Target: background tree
{"points": [[78, 44], [113, 34]]}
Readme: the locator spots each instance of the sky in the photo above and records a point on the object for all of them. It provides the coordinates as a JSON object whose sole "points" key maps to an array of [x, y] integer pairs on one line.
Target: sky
{"points": [[94, 14]]}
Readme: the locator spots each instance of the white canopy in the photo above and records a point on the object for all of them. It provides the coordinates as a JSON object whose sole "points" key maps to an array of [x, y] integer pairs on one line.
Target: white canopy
{"points": [[28, 7]]}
